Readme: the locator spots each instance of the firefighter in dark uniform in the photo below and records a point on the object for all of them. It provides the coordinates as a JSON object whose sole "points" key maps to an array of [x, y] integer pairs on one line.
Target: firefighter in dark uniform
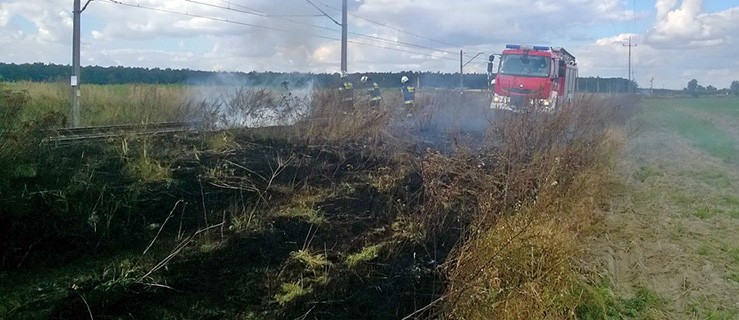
{"points": [[409, 93], [375, 96], [346, 92]]}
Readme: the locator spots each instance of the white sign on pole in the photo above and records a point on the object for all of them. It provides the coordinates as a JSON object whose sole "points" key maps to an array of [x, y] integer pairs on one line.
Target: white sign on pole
{"points": [[74, 81]]}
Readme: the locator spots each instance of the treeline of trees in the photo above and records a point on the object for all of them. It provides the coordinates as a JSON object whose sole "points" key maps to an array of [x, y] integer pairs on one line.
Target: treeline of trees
{"points": [[606, 85], [40, 72], [695, 89]]}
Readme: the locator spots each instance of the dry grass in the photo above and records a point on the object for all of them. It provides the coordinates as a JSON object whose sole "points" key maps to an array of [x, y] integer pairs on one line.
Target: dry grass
{"points": [[110, 104], [520, 257]]}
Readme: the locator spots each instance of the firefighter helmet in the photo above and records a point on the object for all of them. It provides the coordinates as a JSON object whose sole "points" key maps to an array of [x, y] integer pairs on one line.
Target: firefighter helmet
{"points": [[403, 79]]}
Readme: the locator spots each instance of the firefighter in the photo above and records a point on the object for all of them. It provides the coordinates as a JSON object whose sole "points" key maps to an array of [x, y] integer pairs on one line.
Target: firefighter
{"points": [[346, 94], [409, 93], [373, 89], [347, 89]]}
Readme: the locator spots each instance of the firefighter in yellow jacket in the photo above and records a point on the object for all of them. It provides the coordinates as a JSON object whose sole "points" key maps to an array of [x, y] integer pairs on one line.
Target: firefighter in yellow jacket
{"points": [[375, 96], [409, 94]]}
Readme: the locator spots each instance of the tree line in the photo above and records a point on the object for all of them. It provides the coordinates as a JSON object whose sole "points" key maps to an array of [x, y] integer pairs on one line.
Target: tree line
{"points": [[41, 72], [695, 89]]}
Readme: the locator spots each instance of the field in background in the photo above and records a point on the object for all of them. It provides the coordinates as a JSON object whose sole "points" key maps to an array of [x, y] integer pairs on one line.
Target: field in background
{"points": [[218, 105], [671, 240]]}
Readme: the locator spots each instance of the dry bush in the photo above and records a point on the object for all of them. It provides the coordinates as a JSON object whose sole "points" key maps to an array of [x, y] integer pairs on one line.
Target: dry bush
{"points": [[330, 119], [541, 194]]}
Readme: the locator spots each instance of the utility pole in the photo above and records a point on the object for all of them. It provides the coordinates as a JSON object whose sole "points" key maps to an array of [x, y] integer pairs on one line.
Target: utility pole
{"points": [[75, 80], [461, 68], [629, 45], [343, 38], [651, 86], [461, 71]]}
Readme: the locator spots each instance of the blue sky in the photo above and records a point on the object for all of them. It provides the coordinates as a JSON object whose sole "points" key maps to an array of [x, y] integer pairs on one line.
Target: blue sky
{"points": [[676, 40]]}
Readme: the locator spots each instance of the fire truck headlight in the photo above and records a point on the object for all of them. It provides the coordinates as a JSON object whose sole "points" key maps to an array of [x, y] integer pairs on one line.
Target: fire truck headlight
{"points": [[545, 102], [497, 99]]}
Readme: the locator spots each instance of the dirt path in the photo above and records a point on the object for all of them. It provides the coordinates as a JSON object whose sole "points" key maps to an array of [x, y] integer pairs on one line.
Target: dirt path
{"points": [[673, 228]]}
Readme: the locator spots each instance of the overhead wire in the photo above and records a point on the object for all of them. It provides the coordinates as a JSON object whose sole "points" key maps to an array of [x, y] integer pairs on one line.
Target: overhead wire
{"points": [[285, 18], [390, 27], [118, 2]]}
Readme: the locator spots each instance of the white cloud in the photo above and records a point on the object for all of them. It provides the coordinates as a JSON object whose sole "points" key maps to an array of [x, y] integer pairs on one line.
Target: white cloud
{"points": [[687, 25], [4, 15], [682, 40]]}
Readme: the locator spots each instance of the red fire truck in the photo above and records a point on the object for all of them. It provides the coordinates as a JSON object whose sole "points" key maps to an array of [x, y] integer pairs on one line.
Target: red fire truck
{"points": [[532, 76]]}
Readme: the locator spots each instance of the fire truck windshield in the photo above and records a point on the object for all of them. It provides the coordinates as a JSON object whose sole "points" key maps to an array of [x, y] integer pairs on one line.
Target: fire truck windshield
{"points": [[524, 65]]}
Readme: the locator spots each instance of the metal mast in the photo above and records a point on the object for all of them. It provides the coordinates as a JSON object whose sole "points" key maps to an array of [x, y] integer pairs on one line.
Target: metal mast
{"points": [[629, 45]]}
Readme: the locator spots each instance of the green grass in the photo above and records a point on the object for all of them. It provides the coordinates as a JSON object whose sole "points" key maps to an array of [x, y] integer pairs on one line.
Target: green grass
{"points": [[704, 249], [108, 104], [704, 311], [367, 254], [679, 116], [703, 213], [310, 215], [605, 304], [36, 292]]}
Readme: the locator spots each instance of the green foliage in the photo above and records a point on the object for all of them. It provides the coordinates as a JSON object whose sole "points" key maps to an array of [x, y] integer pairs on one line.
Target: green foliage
{"points": [[693, 87], [734, 88], [147, 170], [602, 303], [314, 262], [368, 253], [291, 291]]}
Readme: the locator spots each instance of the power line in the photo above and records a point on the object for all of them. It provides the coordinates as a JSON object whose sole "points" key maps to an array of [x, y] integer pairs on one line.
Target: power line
{"points": [[393, 28], [282, 17], [251, 11], [265, 27]]}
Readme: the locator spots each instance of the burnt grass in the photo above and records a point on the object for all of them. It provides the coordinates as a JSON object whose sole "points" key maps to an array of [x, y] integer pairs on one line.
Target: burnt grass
{"points": [[220, 220]]}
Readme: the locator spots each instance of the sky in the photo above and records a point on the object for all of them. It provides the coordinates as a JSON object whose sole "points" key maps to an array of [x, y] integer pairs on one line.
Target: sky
{"points": [[673, 41]]}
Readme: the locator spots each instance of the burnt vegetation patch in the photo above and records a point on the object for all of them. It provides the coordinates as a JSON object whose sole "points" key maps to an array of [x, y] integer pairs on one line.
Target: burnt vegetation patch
{"points": [[343, 215]]}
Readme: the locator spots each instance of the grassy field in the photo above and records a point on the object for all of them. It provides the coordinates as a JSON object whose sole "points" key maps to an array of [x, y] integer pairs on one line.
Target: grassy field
{"points": [[671, 238]]}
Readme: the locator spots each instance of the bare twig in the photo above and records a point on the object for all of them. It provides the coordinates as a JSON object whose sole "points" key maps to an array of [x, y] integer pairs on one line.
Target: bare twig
{"points": [[162, 227], [89, 311]]}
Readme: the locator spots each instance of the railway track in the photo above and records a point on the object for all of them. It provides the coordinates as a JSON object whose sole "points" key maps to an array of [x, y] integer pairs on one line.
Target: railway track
{"points": [[72, 135]]}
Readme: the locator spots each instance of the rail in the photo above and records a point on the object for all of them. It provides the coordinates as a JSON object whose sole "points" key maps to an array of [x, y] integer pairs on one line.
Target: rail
{"points": [[71, 135]]}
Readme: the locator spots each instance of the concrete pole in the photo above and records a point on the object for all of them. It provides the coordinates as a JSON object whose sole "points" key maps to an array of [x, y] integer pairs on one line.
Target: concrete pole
{"points": [[75, 79], [461, 72], [343, 37]]}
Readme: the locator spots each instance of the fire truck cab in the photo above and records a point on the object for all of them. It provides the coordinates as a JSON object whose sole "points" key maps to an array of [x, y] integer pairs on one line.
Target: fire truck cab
{"points": [[532, 76]]}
